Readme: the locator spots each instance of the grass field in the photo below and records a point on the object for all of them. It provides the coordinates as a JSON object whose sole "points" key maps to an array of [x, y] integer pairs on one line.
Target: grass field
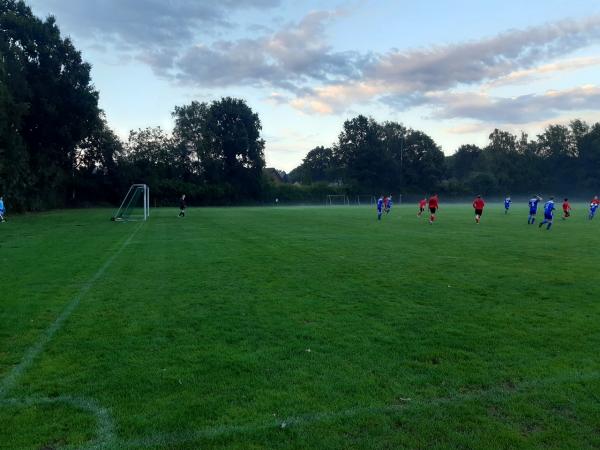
{"points": [[299, 328]]}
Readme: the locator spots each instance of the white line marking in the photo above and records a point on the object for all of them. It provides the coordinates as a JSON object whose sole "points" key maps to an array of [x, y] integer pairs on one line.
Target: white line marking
{"points": [[9, 381]]}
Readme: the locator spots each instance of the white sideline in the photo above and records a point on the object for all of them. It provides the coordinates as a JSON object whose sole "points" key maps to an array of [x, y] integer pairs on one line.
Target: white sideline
{"points": [[10, 379]]}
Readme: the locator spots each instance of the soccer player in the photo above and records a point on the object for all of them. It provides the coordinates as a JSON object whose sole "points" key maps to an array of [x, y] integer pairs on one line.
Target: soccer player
{"points": [[507, 203], [478, 205], [2, 210], [533, 205], [434, 205], [182, 206], [548, 214], [388, 205], [379, 207], [594, 206], [422, 204], [566, 209]]}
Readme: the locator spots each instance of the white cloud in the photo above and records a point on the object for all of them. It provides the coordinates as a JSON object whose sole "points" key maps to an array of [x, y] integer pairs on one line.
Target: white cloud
{"points": [[521, 109]]}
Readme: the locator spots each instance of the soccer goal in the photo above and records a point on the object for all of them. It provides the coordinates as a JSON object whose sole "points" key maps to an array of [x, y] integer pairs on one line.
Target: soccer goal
{"points": [[337, 200], [365, 200], [135, 205]]}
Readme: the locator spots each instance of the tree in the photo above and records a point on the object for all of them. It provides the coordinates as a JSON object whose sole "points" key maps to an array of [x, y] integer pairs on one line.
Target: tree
{"points": [[589, 155], [317, 166], [148, 152], [232, 136], [14, 167], [424, 162], [394, 141], [96, 169], [464, 161], [193, 155], [557, 143], [579, 129], [501, 159], [361, 154], [54, 85]]}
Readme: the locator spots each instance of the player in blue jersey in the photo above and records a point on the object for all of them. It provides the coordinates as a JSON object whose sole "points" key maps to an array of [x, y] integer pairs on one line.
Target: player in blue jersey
{"points": [[533, 205], [2, 210], [507, 203], [548, 214], [594, 207], [379, 207]]}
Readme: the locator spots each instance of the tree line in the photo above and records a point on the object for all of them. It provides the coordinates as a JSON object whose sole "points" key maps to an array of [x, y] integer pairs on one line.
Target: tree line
{"points": [[57, 150], [381, 157]]}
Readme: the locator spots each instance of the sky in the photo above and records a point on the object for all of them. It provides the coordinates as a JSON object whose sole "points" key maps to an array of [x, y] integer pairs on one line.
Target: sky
{"points": [[453, 69]]}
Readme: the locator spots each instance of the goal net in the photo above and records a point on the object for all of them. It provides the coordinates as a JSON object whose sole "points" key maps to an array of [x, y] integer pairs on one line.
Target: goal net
{"points": [[135, 205], [365, 200], [337, 200]]}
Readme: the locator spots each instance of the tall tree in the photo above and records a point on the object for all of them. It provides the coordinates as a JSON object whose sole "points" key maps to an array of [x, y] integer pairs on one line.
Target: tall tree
{"points": [[465, 161], [424, 162], [62, 105], [394, 141], [589, 155], [318, 165], [361, 154], [232, 135], [14, 166], [192, 151]]}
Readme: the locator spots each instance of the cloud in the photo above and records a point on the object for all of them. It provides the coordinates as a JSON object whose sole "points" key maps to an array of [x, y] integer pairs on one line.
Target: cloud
{"points": [[517, 110], [180, 40], [157, 23], [154, 30], [289, 58], [403, 79], [472, 62], [528, 75], [468, 128]]}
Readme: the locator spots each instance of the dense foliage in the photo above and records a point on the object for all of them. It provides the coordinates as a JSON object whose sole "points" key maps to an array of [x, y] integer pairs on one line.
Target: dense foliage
{"points": [[373, 157], [56, 148]]}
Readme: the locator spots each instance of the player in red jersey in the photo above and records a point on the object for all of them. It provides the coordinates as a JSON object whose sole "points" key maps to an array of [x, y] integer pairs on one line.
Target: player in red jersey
{"points": [[566, 209], [434, 205], [422, 204], [478, 204]]}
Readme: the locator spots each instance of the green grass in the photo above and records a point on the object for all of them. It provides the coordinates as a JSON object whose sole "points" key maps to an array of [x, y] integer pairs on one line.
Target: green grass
{"points": [[297, 328]]}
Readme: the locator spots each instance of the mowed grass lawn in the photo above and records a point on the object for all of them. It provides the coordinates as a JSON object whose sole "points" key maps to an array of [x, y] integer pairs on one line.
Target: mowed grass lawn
{"points": [[299, 328]]}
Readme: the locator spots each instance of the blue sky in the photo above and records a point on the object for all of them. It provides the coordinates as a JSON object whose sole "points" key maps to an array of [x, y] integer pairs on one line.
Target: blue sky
{"points": [[455, 70]]}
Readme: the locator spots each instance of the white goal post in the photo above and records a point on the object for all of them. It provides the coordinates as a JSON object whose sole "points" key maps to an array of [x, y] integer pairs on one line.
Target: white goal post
{"points": [[337, 200], [135, 205]]}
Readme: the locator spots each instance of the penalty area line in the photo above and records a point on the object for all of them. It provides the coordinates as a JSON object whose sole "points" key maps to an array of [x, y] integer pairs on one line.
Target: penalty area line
{"points": [[9, 381]]}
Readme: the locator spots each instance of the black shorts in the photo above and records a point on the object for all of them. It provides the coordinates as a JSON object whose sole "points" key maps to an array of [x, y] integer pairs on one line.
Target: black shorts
{"points": [[421, 209], [478, 212], [432, 210]]}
